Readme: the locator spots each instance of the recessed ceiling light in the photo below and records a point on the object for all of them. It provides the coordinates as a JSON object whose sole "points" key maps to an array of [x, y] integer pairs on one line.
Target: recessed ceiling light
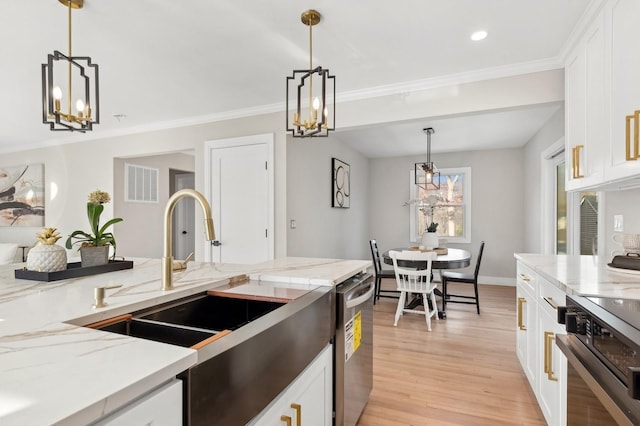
{"points": [[478, 35]]}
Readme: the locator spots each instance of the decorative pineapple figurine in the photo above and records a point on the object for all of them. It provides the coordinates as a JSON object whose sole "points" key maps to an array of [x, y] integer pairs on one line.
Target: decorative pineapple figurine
{"points": [[46, 256]]}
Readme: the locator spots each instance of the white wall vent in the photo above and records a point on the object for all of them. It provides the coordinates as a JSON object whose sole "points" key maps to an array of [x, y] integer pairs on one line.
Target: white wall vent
{"points": [[140, 184]]}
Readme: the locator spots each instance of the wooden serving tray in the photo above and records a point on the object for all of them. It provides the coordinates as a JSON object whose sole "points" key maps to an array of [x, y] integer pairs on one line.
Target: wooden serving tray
{"points": [[438, 251], [74, 270]]}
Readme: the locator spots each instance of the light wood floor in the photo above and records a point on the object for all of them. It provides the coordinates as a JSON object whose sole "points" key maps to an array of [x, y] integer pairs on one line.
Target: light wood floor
{"points": [[464, 372]]}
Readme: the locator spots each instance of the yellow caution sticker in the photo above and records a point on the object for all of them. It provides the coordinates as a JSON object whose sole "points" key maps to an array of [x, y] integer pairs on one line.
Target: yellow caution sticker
{"points": [[352, 335], [357, 330]]}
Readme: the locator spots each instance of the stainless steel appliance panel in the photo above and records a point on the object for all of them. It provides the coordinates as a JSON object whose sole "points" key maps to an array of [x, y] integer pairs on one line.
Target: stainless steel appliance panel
{"points": [[602, 347], [353, 363]]}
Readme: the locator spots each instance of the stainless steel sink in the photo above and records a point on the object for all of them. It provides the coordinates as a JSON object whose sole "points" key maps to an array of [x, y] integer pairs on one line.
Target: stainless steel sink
{"points": [[190, 322], [165, 333], [238, 375], [214, 313]]}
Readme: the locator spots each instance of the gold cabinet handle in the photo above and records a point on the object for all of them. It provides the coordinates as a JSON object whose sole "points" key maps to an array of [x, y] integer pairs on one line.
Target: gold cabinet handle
{"points": [[627, 138], [632, 154], [549, 337], [636, 130], [549, 300], [521, 302], [286, 420], [298, 409], [577, 173], [525, 278]]}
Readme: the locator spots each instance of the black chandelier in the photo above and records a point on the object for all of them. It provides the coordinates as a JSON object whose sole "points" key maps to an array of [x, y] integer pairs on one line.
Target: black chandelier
{"points": [[427, 175], [312, 87], [57, 79]]}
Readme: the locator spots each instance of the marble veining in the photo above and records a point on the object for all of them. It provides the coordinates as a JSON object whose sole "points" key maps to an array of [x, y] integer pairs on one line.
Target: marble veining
{"points": [[54, 370]]}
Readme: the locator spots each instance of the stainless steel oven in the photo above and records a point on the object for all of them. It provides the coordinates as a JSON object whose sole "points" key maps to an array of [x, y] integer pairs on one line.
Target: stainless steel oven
{"points": [[602, 347]]}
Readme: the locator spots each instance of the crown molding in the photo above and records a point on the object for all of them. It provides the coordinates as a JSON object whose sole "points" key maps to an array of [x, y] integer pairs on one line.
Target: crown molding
{"points": [[593, 8]]}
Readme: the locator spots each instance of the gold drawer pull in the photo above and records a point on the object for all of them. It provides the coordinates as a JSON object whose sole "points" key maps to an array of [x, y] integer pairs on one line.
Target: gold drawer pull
{"points": [[525, 278], [521, 302], [549, 337], [298, 409], [286, 420]]}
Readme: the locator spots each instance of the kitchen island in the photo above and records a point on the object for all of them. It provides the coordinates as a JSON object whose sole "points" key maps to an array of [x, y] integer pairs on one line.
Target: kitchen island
{"points": [[54, 370]]}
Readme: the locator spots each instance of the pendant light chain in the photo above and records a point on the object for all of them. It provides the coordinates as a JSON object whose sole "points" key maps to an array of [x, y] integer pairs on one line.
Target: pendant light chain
{"points": [[310, 70]]}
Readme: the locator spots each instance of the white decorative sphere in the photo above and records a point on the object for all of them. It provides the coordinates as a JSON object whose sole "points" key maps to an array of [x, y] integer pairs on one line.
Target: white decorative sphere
{"points": [[47, 258]]}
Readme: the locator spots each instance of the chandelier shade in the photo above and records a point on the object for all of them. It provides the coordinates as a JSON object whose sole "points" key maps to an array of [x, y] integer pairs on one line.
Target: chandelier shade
{"points": [[426, 174], [312, 112], [70, 94]]}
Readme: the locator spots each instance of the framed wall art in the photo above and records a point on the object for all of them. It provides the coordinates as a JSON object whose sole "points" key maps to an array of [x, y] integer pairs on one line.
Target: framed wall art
{"points": [[340, 184], [22, 195]]}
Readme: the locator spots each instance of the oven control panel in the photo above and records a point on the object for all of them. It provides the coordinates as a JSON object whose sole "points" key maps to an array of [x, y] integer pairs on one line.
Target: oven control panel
{"points": [[620, 354]]}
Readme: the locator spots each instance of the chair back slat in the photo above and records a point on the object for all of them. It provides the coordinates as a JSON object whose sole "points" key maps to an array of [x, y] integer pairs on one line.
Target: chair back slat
{"points": [[477, 271], [375, 254], [410, 279]]}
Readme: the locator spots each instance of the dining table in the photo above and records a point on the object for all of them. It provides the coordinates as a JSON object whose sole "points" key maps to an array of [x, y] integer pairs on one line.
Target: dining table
{"points": [[452, 258]]}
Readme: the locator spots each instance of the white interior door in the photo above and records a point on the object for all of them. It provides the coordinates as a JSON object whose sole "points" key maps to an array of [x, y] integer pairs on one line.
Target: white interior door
{"points": [[184, 227], [241, 197]]}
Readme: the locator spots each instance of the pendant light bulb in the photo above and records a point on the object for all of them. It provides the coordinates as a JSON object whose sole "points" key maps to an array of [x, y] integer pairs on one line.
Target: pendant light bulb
{"points": [[57, 93], [80, 105], [316, 104]]}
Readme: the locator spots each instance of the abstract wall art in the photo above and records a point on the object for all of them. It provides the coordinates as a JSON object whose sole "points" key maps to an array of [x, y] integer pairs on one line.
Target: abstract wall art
{"points": [[341, 184], [22, 195]]}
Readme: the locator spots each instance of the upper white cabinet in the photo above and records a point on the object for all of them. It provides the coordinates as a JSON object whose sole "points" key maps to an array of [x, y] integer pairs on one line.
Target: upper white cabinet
{"points": [[602, 96], [585, 102], [624, 158]]}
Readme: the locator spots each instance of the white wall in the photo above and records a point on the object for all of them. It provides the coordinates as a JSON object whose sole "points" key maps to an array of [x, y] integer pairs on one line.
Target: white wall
{"points": [[323, 231], [545, 137], [141, 232], [497, 204], [78, 168]]}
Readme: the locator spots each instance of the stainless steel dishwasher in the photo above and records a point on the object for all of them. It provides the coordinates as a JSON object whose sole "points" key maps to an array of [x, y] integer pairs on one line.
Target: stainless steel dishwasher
{"points": [[353, 358]]}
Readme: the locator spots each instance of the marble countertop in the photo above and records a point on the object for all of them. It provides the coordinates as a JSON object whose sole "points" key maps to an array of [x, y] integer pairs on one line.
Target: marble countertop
{"points": [[54, 370], [584, 275]]}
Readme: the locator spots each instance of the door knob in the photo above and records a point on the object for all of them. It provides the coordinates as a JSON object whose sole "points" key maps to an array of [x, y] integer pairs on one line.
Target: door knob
{"points": [[184, 232], [216, 243]]}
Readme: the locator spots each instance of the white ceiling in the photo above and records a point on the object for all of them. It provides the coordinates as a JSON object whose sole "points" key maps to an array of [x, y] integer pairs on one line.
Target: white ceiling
{"points": [[167, 62]]}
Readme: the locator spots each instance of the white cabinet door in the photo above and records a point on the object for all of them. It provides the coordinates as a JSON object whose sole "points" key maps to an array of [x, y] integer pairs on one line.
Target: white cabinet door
{"points": [[552, 364], [307, 401], [526, 326], [552, 395], [162, 407], [585, 109], [622, 17]]}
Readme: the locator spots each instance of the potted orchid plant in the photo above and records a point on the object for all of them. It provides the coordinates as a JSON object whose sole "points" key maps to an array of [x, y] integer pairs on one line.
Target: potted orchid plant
{"points": [[94, 245]]}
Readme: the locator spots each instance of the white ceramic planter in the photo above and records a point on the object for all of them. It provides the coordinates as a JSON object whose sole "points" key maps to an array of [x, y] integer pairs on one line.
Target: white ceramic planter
{"points": [[430, 240], [47, 258]]}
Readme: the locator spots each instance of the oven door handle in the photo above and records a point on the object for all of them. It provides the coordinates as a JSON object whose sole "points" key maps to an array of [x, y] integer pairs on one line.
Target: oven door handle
{"points": [[361, 299]]}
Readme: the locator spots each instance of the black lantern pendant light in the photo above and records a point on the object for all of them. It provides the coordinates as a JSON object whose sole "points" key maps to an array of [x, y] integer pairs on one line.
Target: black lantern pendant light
{"points": [[75, 76], [313, 115], [427, 175]]}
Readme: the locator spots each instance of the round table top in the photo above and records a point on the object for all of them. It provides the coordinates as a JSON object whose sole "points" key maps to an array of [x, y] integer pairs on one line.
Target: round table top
{"points": [[454, 259]]}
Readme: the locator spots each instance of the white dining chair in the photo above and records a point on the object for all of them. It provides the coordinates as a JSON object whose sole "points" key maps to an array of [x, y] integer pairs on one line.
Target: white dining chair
{"points": [[418, 281]]}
